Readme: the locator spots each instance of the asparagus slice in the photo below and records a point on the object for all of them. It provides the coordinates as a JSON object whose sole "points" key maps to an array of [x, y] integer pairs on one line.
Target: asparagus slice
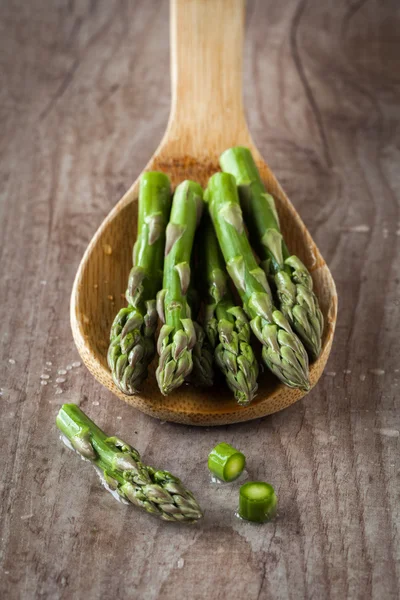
{"points": [[178, 335], [225, 462], [226, 324], [282, 351], [132, 342], [157, 492], [257, 501], [293, 282]]}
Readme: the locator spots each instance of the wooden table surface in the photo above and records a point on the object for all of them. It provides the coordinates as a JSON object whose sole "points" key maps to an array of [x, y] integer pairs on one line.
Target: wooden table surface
{"points": [[84, 101]]}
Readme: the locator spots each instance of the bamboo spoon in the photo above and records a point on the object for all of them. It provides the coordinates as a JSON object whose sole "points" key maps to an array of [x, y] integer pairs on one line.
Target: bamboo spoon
{"points": [[206, 118]]}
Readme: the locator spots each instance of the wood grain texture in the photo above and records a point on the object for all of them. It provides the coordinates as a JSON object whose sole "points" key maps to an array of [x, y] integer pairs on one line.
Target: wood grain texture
{"points": [[84, 101], [206, 118]]}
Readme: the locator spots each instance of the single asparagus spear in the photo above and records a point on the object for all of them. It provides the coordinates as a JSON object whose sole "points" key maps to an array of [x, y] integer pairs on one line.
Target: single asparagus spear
{"points": [[132, 346], [178, 335], [293, 282], [157, 492], [282, 350], [202, 374], [226, 324]]}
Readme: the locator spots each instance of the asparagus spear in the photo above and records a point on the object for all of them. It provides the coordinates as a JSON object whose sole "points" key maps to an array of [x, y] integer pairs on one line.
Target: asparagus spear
{"points": [[226, 324], [282, 351], [132, 346], [157, 492], [293, 282], [202, 374], [178, 335]]}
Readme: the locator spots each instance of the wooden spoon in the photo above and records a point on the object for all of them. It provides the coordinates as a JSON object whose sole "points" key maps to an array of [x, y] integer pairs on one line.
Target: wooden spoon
{"points": [[206, 118]]}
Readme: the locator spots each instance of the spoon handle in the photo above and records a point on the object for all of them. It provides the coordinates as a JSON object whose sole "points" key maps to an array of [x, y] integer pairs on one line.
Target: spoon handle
{"points": [[207, 113]]}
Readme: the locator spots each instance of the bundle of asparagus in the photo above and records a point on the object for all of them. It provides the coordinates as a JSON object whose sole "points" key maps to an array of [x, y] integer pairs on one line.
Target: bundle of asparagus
{"points": [[157, 492], [282, 319]]}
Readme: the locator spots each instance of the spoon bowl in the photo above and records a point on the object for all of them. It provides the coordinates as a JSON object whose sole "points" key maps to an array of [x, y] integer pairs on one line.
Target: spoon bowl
{"points": [[206, 118]]}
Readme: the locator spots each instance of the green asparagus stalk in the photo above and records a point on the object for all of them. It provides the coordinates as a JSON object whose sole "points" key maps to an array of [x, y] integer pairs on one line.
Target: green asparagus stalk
{"points": [[202, 374], [226, 324], [178, 335], [293, 282], [132, 337], [157, 492], [282, 351]]}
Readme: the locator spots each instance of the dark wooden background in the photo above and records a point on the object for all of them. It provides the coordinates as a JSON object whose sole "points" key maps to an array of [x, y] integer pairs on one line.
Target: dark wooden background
{"points": [[84, 100]]}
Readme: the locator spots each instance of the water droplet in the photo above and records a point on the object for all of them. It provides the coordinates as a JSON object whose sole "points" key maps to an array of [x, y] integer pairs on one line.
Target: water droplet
{"points": [[60, 380], [62, 372], [107, 249], [44, 376], [58, 390], [362, 377], [95, 285], [359, 229], [43, 382], [110, 297], [11, 361], [95, 403], [86, 319], [180, 563], [377, 371], [76, 364], [49, 363]]}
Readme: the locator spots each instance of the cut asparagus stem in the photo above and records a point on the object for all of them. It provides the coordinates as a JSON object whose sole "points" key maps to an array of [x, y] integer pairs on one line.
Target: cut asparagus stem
{"points": [[225, 462], [257, 501], [132, 342], [226, 324], [157, 492], [178, 336], [283, 352], [293, 282]]}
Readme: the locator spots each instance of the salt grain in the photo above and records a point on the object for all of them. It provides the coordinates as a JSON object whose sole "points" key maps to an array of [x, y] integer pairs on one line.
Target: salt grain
{"points": [[180, 563], [49, 363], [43, 282], [45, 376], [331, 374], [62, 372], [347, 371], [95, 403], [60, 380], [59, 391], [107, 249], [76, 364], [362, 377], [11, 361], [69, 367], [110, 297], [43, 382], [119, 418]]}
